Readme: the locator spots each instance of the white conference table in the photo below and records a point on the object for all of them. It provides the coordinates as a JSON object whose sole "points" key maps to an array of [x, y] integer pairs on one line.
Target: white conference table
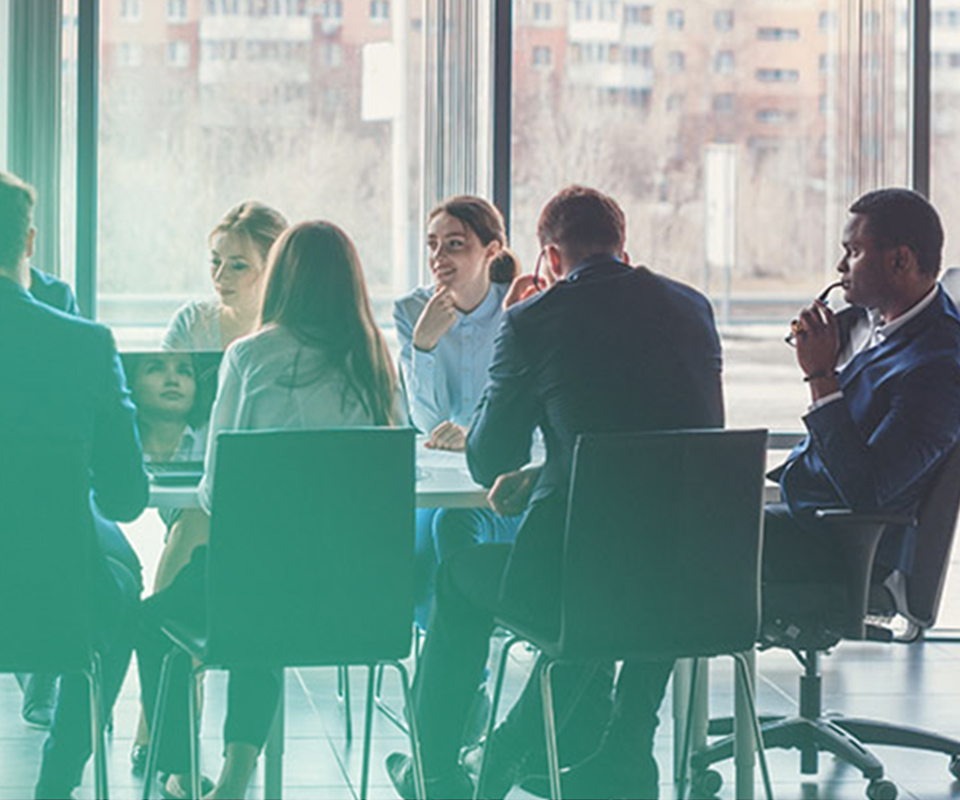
{"points": [[443, 481]]}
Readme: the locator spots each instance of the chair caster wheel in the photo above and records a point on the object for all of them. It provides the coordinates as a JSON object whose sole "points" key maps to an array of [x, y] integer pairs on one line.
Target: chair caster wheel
{"points": [[881, 789], [955, 765], [706, 783]]}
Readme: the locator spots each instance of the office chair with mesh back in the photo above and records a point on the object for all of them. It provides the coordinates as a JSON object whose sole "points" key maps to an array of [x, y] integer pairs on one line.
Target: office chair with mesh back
{"points": [[45, 520], [808, 633], [310, 561], [661, 558]]}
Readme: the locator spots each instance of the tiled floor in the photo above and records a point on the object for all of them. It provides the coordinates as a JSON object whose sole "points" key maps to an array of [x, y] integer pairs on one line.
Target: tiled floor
{"points": [[916, 684]]}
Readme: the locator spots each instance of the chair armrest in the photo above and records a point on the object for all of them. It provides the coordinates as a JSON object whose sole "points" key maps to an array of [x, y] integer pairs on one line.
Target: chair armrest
{"points": [[845, 515], [858, 535]]}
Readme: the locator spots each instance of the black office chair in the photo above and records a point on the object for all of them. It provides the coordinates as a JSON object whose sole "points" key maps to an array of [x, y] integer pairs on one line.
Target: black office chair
{"points": [[661, 558], [310, 561], [815, 627], [47, 557]]}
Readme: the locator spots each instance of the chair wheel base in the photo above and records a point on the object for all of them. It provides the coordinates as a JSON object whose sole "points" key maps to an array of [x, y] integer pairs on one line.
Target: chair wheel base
{"points": [[881, 789], [706, 783]]}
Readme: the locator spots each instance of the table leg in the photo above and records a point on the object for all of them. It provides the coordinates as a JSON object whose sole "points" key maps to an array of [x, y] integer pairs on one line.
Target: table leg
{"points": [[744, 747], [699, 719], [273, 755]]}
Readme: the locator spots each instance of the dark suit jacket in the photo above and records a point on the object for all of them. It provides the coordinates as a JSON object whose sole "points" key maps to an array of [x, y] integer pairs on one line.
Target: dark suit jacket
{"points": [[61, 378], [878, 448], [611, 348], [53, 292]]}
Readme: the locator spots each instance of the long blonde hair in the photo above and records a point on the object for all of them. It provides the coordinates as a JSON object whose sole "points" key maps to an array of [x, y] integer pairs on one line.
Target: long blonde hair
{"points": [[315, 289]]}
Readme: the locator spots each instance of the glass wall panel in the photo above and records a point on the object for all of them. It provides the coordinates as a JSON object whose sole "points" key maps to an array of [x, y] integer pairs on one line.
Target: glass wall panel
{"points": [[205, 103], [733, 134], [945, 193]]}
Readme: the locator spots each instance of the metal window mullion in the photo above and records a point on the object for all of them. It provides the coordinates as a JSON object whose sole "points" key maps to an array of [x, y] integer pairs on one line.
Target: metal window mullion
{"points": [[920, 105], [88, 38], [33, 135]]}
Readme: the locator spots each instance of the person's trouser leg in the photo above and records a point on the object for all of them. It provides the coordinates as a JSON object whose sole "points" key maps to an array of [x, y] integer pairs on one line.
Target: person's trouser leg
{"points": [[184, 601], [69, 744], [252, 697], [455, 529], [424, 566], [455, 651]]}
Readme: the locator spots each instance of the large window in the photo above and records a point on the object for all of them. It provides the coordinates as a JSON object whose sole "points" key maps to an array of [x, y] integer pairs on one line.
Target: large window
{"points": [[310, 107], [735, 171]]}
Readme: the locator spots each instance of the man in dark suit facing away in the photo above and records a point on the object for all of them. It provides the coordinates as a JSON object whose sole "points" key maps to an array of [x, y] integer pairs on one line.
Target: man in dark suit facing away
{"points": [[884, 379], [62, 378], [608, 347]]}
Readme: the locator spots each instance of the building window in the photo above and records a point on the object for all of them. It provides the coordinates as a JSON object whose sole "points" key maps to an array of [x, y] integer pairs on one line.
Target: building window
{"points": [[130, 10], [639, 97], [176, 10], [638, 56], [778, 75], [675, 19], [331, 9], [542, 12], [723, 103], [542, 57], [583, 10], [379, 10], [827, 21], [332, 54], [778, 34], [723, 20], [723, 62], [178, 54], [634, 14], [775, 116], [675, 102], [676, 61], [129, 54]]}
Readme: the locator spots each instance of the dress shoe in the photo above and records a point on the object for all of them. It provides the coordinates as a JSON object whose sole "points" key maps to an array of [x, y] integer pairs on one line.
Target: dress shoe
{"points": [[138, 759], [174, 789], [504, 768], [629, 778], [454, 785], [39, 699]]}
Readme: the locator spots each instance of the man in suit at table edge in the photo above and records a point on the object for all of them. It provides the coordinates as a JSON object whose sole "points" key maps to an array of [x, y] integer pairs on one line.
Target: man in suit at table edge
{"points": [[884, 379], [63, 378], [608, 347]]}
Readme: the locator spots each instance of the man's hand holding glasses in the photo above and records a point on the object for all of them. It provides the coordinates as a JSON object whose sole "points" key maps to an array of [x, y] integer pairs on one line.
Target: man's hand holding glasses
{"points": [[525, 286], [816, 337]]}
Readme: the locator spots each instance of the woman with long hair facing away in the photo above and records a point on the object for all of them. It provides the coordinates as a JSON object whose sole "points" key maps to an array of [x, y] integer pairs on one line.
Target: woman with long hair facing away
{"points": [[238, 244], [317, 360]]}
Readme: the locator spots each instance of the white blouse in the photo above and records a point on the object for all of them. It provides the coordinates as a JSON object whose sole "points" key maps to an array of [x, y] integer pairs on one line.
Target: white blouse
{"points": [[271, 380]]}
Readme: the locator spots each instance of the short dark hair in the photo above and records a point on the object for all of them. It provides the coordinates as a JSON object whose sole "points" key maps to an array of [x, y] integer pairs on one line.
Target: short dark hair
{"points": [[17, 200], [902, 218], [582, 221]]}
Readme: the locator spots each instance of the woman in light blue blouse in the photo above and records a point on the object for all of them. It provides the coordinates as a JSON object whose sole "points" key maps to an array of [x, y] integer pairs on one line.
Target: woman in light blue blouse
{"points": [[446, 334]]}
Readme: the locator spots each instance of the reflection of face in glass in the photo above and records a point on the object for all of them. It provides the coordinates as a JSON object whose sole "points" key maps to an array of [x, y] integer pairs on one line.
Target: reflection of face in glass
{"points": [[237, 270], [164, 387]]}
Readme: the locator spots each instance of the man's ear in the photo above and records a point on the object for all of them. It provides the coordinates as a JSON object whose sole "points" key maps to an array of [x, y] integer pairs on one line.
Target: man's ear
{"points": [[555, 261], [31, 242]]}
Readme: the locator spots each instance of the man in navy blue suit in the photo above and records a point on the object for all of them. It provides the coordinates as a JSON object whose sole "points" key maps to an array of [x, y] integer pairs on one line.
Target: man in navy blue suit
{"points": [[884, 378], [608, 347], [40, 690], [62, 377]]}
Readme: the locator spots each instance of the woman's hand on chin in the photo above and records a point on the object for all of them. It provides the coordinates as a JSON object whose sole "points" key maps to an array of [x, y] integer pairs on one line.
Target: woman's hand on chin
{"points": [[435, 320]]}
